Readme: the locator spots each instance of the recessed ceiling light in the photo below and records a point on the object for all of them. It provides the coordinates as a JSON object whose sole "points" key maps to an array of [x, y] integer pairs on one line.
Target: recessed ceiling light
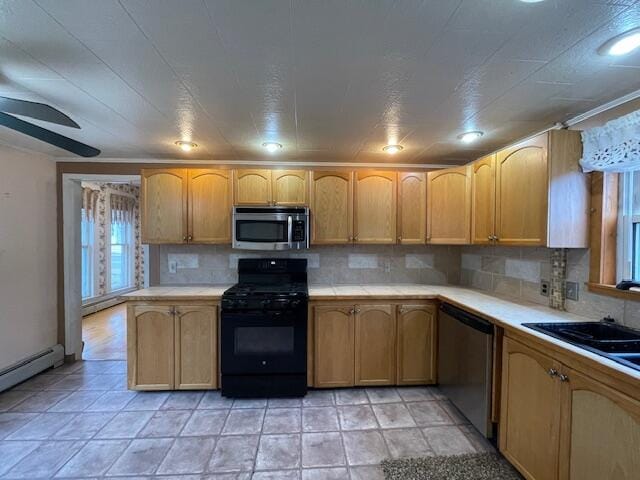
{"points": [[272, 146], [532, 1], [621, 44], [392, 149], [186, 146], [469, 137]]}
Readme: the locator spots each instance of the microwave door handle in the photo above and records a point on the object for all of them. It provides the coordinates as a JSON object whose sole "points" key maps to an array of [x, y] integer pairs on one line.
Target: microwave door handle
{"points": [[290, 229]]}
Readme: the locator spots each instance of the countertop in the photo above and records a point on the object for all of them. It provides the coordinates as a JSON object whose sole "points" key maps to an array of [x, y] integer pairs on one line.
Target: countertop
{"points": [[508, 314]]}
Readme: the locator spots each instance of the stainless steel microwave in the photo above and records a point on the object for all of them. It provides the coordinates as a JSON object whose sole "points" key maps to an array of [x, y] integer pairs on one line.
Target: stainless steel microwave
{"points": [[271, 228]]}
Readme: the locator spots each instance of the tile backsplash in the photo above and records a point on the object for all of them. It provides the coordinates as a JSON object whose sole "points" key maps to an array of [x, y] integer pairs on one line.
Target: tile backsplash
{"points": [[516, 272], [326, 265], [505, 271]]}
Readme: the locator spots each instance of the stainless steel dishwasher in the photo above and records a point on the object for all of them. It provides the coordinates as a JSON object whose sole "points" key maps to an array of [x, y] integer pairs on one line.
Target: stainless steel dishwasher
{"points": [[465, 356]]}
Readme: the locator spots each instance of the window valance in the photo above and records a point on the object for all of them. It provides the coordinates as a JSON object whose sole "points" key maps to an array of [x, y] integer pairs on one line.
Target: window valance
{"points": [[122, 208], [614, 147]]}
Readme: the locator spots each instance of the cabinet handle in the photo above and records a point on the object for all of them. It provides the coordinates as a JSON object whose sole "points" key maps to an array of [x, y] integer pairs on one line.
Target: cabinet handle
{"points": [[495, 239], [357, 310], [563, 378], [352, 311], [401, 310], [399, 239], [552, 372], [190, 237], [490, 237], [172, 310], [355, 238], [184, 238]]}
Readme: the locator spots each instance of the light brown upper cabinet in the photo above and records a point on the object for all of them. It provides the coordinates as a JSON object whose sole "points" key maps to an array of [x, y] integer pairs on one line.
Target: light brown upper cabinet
{"points": [[412, 207], [449, 206], [289, 187], [483, 200], [209, 206], [375, 207], [375, 345], [532, 193], [163, 205], [252, 187], [521, 193], [270, 187], [331, 207]]}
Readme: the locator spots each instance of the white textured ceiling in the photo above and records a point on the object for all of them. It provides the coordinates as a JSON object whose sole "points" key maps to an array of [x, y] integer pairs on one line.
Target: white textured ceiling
{"points": [[332, 80]]}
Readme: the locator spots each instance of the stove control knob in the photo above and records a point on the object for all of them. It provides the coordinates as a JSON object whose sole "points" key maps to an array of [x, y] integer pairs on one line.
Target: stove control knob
{"points": [[241, 303], [266, 302], [228, 303], [295, 303]]}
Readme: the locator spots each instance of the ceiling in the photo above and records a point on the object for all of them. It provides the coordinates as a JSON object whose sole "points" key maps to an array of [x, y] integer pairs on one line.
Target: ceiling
{"points": [[331, 80]]}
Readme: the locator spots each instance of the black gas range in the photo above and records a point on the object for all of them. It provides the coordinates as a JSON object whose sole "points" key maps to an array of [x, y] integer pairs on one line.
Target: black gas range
{"points": [[263, 340]]}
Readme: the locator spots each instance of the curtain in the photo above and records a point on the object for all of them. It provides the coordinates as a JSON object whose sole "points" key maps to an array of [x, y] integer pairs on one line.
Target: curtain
{"points": [[89, 202], [614, 147], [122, 208]]}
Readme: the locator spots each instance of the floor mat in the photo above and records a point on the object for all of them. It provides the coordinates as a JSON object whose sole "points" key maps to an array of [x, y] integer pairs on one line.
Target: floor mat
{"points": [[476, 466]]}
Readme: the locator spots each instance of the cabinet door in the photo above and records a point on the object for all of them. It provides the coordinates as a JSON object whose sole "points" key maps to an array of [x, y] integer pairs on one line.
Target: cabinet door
{"points": [[483, 200], [252, 187], [530, 411], [164, 205], [196, 347], [289, 187], [375, 345], [521, 193], [333, 346], [375, 207], [449, 206], [150, 349], [600, 434], [416, 344], [209, 206], [412, 208], [331, 208]]}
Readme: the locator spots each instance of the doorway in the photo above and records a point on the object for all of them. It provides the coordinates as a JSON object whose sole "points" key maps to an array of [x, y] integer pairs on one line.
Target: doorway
{"points": [[104, 259]]}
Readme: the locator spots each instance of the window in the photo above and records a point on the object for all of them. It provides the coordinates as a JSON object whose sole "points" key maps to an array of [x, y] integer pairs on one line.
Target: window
{"points": [[629, 227], [122, 246], [86, 239]]}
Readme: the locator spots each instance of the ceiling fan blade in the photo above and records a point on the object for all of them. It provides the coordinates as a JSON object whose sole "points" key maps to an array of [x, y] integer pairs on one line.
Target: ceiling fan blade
{"points": [[48, 136], [39, 111]]}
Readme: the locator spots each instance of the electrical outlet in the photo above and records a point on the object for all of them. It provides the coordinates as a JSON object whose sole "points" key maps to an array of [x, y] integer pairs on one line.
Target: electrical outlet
{"points": [[544, 288], [173, 266], [571, 290]]}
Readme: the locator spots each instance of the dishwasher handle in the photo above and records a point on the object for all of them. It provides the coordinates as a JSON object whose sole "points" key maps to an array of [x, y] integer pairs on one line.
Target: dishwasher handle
{"points": [[468, 319]]}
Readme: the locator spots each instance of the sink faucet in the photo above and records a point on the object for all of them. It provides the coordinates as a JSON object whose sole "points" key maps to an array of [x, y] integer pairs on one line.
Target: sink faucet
{"points": [[608, 319]]}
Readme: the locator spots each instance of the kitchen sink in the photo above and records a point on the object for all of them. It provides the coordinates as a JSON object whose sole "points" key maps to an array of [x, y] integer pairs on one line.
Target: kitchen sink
{"points": [[618, 343]]}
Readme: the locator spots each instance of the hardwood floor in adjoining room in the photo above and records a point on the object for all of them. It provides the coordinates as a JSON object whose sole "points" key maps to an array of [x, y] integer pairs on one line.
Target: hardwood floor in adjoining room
{"points": [[104, 334]]}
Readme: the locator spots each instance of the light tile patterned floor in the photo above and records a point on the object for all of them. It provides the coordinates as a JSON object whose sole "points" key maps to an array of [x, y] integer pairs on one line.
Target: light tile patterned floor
{"points": [[80, 421]]}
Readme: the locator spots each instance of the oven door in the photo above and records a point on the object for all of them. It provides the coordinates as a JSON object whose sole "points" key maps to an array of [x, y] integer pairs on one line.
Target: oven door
{"points": [[254, 343]]}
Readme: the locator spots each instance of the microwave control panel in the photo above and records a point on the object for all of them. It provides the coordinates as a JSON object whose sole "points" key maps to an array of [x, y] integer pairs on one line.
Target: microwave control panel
{"points": [[298, 234]]}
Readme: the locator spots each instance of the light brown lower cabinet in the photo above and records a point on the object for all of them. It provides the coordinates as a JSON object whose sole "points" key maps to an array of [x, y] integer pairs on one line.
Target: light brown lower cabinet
{"points": [[334, 346], [172, 347], [373, 344], [416, 351], [558, 423]]}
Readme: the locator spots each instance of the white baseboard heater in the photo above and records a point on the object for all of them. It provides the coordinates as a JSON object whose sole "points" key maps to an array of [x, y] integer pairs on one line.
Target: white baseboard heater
{"points": [[27, 368]]}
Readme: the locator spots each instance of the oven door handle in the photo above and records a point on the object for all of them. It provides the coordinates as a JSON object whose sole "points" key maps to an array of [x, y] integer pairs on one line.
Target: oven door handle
{"points": [[290, 229]]}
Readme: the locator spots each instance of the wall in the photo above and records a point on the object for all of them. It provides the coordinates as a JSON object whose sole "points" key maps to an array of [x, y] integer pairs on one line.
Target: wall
{"points": [[326, 265], [516, 273], [28, 248]]}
